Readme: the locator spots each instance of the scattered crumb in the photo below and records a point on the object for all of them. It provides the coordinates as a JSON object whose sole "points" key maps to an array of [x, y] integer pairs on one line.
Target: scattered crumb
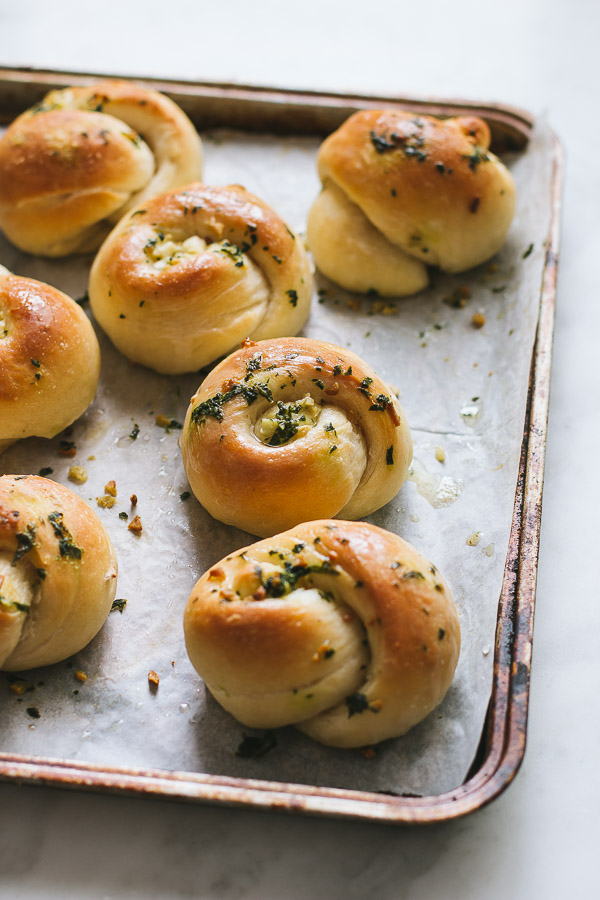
{"points": [[135, 525], [67, 448], [440, 454], [153, 680], [91, 456], [458, 298], [478, 320], [166, 423], [33, 712], [80, 675], [106, 502], [133, 499], [111, 488], [474, 539], [21, 687], [367, 752], [527, 252], [77, 474]]}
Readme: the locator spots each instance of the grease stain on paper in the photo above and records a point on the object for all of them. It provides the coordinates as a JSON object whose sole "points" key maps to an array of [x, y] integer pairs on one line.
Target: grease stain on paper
{"points": [[439, 490]]}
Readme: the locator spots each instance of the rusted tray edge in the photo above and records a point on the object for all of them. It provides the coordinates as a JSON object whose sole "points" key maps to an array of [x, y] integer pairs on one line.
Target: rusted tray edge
{"points": [[310, 111], [505, 730]]}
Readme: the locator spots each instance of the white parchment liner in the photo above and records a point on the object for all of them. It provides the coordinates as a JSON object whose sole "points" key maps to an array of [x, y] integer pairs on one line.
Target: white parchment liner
{"points": [[462, 389]]}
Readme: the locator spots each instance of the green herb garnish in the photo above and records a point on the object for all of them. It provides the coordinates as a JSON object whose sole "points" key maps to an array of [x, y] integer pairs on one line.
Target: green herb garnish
{"points": [[13, 604], [233, 252], [476, 157], [213, 406], [25, 543], [381, 403], [356, 703], [364, 386], [66, 544], [281, 583]]}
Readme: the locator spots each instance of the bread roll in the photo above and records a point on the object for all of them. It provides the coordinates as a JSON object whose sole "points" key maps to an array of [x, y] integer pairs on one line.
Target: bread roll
{"points": [[293, 429], [402, 192], [340, 628], [185, 279], [58, 573], [49, 359], [74, 163]]}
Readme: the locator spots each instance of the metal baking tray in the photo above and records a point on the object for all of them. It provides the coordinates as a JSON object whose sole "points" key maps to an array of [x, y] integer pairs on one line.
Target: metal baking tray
{"points": [[502, 744]]}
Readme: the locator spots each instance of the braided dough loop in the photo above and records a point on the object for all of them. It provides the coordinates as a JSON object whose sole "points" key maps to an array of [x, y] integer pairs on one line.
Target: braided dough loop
{"points": [[407, 191], [58, 573], [340, 628], [186, 279], [292, 429], [49, 359], [71, 166]]}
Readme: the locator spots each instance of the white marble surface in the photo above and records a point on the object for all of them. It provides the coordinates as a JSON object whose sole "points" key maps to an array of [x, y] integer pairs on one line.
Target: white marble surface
{"points": [[540, 839]]}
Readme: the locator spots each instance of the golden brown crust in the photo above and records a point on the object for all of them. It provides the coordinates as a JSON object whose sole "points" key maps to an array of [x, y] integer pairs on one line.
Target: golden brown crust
{"points": [[350, 250], [58, 572], [430, 186], [262, 468], [73, 164], [184, 279], [339, 627], [49, 359]]}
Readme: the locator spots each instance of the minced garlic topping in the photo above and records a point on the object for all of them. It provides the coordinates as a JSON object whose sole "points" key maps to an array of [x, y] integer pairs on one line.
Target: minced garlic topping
{"points": [[165, 251], [285, 421]]}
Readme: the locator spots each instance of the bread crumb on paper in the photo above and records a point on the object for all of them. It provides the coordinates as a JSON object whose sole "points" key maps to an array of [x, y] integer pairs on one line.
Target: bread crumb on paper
{"points": [[135, 525], [77, 474]]}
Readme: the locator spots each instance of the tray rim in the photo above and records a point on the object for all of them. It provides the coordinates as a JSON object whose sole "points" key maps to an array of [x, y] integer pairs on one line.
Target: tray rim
{"points": [[504, 733]]}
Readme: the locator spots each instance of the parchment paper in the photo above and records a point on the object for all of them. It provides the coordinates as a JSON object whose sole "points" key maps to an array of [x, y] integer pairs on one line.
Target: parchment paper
{"points": [[463, 390]]}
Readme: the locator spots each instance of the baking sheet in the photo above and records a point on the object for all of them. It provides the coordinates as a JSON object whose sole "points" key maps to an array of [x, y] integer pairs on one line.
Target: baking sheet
{"points": [[462, 389]]}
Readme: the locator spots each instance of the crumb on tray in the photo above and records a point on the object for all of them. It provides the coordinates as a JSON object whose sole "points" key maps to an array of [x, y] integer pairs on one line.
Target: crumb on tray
{"points": [[77, 474], [135, 525]]}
